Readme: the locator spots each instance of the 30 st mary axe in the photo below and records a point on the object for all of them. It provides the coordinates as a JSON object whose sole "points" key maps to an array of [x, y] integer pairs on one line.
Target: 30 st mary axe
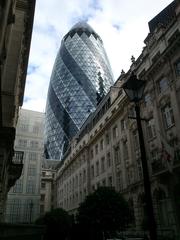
{"points": [[81, 76]]}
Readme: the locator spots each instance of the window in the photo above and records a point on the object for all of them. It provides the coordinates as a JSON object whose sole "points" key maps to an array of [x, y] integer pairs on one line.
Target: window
{"points": [[128, 177], [28, 204], [96, 149], [125, 150], [80, 179], [108, 159], [97, 168], [104, 182], [92, 171], [117, 155], [33, 156], [14, 208], [162, 84], [92, 153], [76, 181], [168, 117], [42, 197], [84, 192], [119, 180], [22, 143], [24, 127], [30, 186], [115, 132], [177, 67], [36, 128], [79, 162], [31, 170], [110, 181], [83, 158], [102, 164], [101, 144], [151, 132], [84, 176], [107, 139], [123, 125], [34, 144], [43, 185]]}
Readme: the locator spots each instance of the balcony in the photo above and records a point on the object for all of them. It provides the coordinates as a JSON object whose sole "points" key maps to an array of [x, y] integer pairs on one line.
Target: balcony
{"points": [[163, 165], [47, 177], [15, 168]]}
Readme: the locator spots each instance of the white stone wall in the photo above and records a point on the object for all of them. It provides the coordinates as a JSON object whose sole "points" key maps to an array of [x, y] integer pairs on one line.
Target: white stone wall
{"points": [[24, 198]]}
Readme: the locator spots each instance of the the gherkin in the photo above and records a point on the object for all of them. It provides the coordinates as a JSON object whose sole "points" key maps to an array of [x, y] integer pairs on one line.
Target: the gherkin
{"points": [[80, 77]]}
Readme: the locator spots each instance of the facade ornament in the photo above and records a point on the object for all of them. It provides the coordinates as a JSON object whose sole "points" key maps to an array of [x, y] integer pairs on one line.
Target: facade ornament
{"points": [[133, 59], [122, 72]]}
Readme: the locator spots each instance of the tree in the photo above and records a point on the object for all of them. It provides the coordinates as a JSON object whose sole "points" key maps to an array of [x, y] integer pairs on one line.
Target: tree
{"points": [[103, 213], [58, 223]]}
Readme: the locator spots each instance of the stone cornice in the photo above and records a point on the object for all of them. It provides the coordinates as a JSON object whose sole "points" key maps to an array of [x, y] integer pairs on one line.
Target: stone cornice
{"points": [[28, 7]]}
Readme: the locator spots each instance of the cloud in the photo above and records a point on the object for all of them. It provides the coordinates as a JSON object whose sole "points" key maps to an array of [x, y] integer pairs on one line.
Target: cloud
{"points": [[122, 25], [117, 26], [32, 68]]}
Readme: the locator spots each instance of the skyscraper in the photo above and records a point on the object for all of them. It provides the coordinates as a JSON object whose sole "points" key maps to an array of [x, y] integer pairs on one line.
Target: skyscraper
{"points": [[81, 76]]}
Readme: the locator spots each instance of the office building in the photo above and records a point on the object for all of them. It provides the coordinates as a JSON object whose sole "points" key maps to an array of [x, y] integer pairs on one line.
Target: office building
{"points": [[23, 203], [80, 78]]}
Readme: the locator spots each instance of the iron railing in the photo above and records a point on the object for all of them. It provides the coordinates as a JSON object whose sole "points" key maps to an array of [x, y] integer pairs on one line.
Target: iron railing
{"points": [[18, 157]]}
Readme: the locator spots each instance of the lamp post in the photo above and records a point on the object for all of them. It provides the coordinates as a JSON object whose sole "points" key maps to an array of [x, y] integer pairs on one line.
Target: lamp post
{"points": [[134, 89]]}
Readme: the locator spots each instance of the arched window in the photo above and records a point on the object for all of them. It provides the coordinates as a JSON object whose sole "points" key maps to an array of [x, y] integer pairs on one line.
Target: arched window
{"points": [[142, 211]]}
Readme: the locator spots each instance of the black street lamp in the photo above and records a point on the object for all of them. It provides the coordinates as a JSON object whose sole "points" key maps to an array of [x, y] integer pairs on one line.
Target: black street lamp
{"points": [[134, 89]]}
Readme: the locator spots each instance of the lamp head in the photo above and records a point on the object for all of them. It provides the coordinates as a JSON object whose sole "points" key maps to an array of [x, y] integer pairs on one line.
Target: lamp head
{"points": [[134, 88]]}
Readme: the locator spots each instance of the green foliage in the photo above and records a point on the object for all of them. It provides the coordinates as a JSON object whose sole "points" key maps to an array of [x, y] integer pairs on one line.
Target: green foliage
{"points": [[104, 211], [58, 223]]}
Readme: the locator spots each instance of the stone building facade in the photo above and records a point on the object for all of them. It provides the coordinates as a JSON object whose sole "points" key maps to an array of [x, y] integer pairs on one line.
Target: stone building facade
{"points": [[16, 21], [47, 190], [23, 202], [106, 150]]}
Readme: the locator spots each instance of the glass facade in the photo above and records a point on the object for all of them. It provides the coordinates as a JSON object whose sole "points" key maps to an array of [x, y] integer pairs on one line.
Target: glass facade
{"points": [[81, 76]]}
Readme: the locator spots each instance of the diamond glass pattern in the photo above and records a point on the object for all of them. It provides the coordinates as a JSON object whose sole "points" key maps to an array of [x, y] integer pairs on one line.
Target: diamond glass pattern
{"points": [[74, 86]]}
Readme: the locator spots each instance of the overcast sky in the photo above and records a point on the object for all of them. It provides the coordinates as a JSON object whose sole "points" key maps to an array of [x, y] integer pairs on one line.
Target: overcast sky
{"points": [[122, 25]]}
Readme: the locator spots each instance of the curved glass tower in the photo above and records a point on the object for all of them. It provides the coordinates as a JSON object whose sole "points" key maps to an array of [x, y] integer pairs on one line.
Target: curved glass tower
{"points": [[81, 76]]}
